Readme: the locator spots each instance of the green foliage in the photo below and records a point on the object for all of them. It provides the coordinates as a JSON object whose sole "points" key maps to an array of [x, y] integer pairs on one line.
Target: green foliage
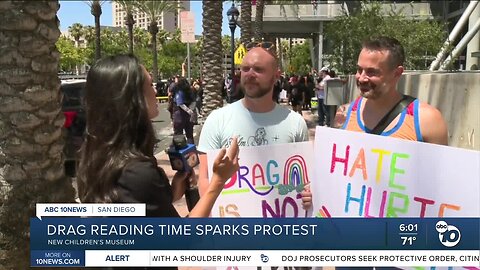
{"points": [[70, 56], [226, 46], [128, 5], [155, 8], [171, 52], [76, 31], [89, 33], [170, 58], [421, 39], [112, 43], [140, 37], [300, 62]]}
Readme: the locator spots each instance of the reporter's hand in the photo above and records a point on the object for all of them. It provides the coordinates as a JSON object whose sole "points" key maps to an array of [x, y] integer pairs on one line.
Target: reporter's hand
{"points": [[180, 183], [306, 198], [224, 166], [226, 162], [193, 178]]}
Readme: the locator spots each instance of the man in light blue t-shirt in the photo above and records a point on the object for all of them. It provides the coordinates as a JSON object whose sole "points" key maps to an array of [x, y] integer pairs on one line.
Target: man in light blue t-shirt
{"points": [[256, 119]]}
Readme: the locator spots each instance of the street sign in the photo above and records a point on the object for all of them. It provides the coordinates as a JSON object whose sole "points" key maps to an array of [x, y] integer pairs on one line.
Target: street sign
{"points": [[187, 26], [239, 54]]}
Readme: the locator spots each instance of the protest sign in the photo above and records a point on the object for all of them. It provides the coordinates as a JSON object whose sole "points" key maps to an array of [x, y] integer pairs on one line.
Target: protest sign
{"points": [[268, 183], [353, 174], [365, 175]]}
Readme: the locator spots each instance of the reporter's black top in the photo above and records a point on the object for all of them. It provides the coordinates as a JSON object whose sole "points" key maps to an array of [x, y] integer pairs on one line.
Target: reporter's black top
{"points": [[144, 182]]}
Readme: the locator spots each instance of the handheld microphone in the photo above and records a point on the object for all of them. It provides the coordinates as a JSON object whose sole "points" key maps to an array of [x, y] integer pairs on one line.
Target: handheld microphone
{"points": [[184, 157]]}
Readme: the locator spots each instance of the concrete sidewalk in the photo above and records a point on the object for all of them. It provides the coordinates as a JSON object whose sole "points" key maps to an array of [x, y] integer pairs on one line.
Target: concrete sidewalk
{"points": [[163, 161]]}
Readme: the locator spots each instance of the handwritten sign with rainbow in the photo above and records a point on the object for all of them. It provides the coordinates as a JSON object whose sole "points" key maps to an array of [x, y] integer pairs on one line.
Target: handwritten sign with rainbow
{"points": [[364, 175], [268, 183]]}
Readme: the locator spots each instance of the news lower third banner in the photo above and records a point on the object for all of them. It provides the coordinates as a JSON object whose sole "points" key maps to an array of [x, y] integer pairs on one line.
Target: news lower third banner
{"points": [[223, 242]]}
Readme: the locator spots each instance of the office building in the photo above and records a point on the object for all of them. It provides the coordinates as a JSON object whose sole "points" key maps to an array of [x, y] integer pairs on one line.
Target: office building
{"points": [[168, 21]]}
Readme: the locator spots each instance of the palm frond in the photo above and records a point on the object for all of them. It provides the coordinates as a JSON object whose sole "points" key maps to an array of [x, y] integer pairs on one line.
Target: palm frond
{"points": [[155, 8], [128, 5], [92, 2]]}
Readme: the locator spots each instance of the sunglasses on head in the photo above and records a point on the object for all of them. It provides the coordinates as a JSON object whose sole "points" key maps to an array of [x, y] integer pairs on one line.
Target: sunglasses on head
{"points": [[264, 44]]}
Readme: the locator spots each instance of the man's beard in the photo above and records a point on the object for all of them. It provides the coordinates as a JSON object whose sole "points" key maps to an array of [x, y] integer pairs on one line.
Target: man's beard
{"points": [[258, 93], [370, 93]]}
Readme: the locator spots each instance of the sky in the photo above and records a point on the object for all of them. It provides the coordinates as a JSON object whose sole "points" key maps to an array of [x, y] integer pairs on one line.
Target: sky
{"points": [[78, 11]]}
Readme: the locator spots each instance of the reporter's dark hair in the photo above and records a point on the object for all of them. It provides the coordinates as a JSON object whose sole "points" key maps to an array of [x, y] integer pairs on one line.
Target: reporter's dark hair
{"points": [[118, 128]]}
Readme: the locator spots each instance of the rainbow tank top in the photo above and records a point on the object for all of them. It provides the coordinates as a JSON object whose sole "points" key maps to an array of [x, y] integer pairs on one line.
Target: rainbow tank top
{"points": [[408, 126]]}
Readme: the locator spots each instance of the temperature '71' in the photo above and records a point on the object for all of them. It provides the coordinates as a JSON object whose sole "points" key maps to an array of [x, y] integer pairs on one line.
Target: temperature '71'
{"points": [[408, 240]]}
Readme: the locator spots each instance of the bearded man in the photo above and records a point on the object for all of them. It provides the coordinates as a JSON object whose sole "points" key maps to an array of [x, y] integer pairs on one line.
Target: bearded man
{"points": [[254, 114], [379, 68]]}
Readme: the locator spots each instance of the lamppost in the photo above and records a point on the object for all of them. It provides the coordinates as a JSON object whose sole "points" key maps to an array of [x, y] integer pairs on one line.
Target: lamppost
{"points": [[232, 14]]}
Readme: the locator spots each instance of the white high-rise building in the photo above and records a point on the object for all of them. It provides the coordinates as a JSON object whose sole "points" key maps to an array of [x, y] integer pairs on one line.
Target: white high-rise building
{"points": [[168, 21]]}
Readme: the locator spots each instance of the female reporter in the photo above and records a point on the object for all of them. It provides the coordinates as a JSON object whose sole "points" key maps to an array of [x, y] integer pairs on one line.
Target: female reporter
{"points": [[117, 164]]}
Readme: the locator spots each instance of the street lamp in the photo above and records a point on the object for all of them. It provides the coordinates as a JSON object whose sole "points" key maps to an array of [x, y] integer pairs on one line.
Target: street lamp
{"points": [[232, 14]]}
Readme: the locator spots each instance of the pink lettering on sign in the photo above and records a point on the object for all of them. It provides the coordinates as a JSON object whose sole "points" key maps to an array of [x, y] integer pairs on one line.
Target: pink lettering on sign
{"points": [[336, 159]]}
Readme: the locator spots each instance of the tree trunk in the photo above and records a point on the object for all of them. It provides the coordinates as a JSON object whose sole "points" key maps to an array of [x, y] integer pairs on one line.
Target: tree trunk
{"points": [[98, 49], [130, 23], [280, 53], [96, 11], [212, 56], [153, 29], [31, 122], [259, 20], [246, 21], [77, 45]]}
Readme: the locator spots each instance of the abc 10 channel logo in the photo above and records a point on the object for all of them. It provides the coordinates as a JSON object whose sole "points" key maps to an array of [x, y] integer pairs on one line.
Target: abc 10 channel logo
{"points": [[449, 235]]}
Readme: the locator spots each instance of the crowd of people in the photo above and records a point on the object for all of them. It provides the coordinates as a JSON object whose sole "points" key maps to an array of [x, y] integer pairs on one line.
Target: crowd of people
{"points": [[300, 89], [294, 90]]}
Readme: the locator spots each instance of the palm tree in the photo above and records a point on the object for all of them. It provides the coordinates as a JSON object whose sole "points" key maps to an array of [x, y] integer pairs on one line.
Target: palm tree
{"points": [[246, 21], [76, 30], [129, 7], [258, 29], [89, 34], [163, 36], [154, 9], [140, 36], [31, 122], [212, 55], [96, 11]]}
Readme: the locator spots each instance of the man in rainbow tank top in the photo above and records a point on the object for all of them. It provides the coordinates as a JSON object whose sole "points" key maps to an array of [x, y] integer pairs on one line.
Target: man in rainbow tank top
{"points": [[379, 68]]}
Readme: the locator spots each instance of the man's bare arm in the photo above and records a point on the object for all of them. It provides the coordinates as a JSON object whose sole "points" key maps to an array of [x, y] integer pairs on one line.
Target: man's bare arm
{"points": [[432, 125]]}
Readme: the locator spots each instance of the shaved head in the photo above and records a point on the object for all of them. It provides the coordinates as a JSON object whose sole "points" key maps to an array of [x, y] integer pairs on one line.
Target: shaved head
{"points": [[259, 72]]}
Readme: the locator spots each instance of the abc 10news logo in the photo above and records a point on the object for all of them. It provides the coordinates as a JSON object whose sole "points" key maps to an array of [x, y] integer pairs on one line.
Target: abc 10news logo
{"points": [[449, 235]]}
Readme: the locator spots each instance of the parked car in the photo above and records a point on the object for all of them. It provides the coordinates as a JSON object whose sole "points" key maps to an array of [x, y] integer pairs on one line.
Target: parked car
{"points": [[75, 121], [161, 88]]}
